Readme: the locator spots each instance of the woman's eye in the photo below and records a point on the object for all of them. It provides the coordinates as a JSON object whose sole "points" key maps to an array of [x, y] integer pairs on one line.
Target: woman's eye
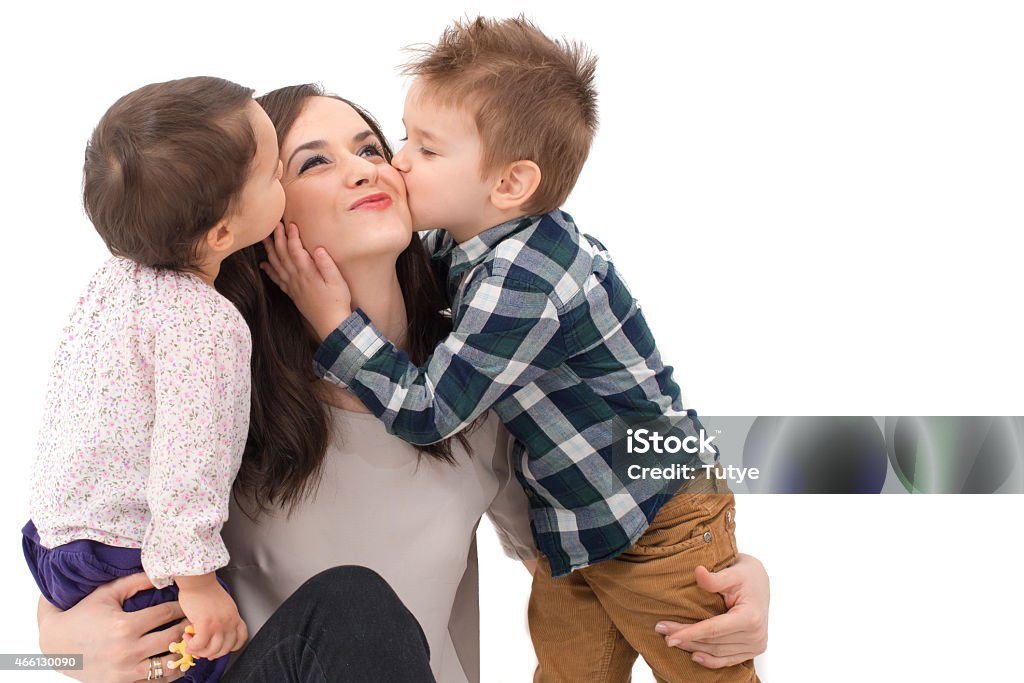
{"points": [[426, 152], [373, 150], [312, 162]]}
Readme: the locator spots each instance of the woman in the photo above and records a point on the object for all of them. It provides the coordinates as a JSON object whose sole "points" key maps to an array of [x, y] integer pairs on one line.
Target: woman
{"points": [[322, 483]]}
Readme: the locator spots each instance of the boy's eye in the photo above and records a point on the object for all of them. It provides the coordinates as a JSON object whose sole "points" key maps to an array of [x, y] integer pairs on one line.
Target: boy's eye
{"points": [[427, 153], [312, 162]]}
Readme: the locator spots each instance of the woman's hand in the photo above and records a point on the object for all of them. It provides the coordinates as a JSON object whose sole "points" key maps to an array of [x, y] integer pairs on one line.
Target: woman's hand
{"points": [[314, 283], [739, 634], [114, 644]]}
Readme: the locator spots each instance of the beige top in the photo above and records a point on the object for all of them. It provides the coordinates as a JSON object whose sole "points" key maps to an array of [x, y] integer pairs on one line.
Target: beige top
{"points": [[411, 519]]}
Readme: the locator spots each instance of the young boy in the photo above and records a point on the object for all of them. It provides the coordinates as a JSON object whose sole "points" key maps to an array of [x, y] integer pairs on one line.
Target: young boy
{"points": [[500, 120]]}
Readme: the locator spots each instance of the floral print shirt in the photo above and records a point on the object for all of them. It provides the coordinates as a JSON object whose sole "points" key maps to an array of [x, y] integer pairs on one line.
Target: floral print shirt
{"points": [[145, 420]]}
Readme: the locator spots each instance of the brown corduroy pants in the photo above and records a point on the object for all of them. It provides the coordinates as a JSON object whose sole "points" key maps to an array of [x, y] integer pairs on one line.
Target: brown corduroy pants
{"points": [[589, 626]]}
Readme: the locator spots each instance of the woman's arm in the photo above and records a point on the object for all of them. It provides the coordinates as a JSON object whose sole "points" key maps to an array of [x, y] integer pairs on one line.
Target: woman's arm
{"points": [[114, 643], [739, 634]]}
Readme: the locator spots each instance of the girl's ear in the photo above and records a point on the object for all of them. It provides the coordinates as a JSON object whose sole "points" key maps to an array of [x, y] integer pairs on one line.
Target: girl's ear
{"points": [[220, 237], [516, 185]]}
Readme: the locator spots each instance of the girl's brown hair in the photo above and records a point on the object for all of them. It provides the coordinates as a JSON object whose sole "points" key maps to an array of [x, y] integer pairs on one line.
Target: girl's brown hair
{"points": [[290, 426], [164, 164]]}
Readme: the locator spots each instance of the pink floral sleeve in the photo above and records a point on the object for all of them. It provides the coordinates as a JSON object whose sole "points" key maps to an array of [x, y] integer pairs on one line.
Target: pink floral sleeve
{"points": [[202, 390]]}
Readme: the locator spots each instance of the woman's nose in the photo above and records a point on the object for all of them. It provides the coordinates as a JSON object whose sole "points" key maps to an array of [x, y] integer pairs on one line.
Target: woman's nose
{"points": [[361, 171]]}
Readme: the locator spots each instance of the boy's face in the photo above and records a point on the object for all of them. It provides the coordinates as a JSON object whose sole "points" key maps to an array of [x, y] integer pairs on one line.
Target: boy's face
{"points": [[441, 165]]}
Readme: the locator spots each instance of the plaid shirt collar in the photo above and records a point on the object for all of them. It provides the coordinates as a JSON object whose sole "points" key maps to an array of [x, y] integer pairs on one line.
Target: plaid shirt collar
{"points": [[471, 252]]}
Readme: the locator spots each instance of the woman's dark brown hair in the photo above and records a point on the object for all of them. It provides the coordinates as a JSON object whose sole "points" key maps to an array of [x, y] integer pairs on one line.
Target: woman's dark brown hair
{"points": [[290, 426], [164, 164]]}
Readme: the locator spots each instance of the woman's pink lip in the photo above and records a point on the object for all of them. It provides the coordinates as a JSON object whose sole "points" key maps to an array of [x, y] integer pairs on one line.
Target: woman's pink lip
{"points": [[380, 200]]}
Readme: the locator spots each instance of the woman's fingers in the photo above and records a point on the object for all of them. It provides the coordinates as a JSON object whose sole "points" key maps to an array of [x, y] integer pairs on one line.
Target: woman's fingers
{"points": [[156, 616], [158, 642], [142, 670], [718, 629], [123, 588], [712, 662], [722, 649]]}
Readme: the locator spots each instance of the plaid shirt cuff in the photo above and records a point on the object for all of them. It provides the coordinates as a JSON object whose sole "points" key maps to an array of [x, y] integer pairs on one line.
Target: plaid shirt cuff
{"points": [[347, 349]]}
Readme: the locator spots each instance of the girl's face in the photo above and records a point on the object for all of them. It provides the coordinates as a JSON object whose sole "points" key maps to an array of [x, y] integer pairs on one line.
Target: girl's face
{"points": [[258, 208], [341, 192]]}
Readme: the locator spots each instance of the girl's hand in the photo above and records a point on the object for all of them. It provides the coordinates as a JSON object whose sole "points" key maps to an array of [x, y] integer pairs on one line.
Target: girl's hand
{"points": [[115, 645], [214, 615], [739, 634], [314, 283]]}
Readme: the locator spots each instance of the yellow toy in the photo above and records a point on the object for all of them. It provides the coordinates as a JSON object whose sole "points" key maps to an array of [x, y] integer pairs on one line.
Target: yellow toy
{"points": [[186, 662]]}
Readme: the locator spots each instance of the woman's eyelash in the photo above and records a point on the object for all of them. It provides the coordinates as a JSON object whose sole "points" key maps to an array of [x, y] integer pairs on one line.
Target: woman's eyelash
{"points": [[372, 147], [309, 163]]}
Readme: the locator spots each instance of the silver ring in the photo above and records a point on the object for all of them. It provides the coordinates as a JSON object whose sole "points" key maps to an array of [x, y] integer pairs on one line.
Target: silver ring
{"points": [[156, 669]]}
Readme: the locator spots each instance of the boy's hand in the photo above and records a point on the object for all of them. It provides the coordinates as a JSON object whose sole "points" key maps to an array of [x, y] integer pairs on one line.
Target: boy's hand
{"points": [[219, 628], [314, 283]]}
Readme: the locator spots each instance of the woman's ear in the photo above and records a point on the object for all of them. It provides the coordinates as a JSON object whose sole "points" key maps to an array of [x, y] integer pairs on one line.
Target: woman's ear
{"points": [[516, 185]]}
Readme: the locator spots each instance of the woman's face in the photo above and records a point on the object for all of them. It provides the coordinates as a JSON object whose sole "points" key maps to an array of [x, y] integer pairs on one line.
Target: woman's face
{"points": [[340, 191]]}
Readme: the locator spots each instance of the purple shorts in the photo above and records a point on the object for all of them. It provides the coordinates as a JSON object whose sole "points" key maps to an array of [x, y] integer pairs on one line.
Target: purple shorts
{"points": [[69, 572]]}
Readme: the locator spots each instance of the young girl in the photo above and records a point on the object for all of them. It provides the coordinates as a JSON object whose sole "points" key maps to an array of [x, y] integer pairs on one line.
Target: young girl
{"points": [[147, 409]]}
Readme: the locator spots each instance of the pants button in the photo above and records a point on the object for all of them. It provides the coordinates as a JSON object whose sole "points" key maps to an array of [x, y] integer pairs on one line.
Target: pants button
{"points": [[707, 537]]}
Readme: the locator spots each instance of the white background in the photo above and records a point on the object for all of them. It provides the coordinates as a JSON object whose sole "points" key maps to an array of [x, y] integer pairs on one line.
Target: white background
{"points": [[818, 204]]}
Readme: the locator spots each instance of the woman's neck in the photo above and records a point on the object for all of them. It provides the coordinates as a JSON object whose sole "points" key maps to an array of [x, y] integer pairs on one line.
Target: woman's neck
{"points": [[375, 290]]}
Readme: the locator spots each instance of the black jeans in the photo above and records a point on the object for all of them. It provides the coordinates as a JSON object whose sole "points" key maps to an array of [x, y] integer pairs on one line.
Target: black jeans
{"points": [[344, 624]]}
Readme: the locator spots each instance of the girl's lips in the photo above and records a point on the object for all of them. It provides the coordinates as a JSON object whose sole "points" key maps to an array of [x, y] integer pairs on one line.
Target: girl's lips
{"points": [[379, 200]]}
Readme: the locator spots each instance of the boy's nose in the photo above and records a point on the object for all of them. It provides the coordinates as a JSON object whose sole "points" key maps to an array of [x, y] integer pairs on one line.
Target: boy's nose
{"points": [[398, 161]]}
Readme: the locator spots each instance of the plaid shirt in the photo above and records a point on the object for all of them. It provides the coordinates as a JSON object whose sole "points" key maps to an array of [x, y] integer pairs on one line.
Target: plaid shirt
{"points": [[547, 335]]}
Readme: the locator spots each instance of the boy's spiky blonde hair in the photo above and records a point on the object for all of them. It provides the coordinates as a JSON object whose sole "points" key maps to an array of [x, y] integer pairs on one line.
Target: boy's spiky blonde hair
{"points": [[533, 98]]}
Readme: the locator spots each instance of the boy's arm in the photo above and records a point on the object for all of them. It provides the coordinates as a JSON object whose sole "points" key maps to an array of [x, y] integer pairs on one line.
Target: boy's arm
{"points": [[506, 336]]}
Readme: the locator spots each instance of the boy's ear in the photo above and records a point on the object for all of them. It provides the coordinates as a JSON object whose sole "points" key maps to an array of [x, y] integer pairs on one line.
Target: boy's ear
{"points": [[516, 185], [220, 237]]}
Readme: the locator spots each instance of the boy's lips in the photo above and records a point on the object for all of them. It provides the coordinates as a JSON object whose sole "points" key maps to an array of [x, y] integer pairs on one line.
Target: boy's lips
{"points": [[378, 200]]}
